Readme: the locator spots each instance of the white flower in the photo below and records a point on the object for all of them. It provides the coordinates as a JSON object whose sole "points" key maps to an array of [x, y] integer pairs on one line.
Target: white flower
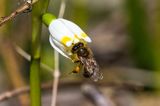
{"points": [[66, 32], [63, 33]]}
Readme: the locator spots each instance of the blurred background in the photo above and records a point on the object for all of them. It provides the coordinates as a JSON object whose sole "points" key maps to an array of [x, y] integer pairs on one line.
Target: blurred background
{"points": [[126, 44]]}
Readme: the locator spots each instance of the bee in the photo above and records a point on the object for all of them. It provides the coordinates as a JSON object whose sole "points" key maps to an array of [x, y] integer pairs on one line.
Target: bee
{"points": [[71, 42], [85, 57], [82, 55]]}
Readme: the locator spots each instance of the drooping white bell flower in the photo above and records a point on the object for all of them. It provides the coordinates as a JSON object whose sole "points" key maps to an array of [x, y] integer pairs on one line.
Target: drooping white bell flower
{"points": [[63, 33]]}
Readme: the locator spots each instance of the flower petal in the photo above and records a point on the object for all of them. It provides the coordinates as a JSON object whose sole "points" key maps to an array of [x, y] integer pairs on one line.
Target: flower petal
{"points": [[58, 31], [58, 47], [76, 30]]}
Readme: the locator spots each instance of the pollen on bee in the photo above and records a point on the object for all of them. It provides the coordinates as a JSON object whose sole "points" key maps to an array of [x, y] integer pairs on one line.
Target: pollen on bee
{"points": [[76, 37], [76, 70]]}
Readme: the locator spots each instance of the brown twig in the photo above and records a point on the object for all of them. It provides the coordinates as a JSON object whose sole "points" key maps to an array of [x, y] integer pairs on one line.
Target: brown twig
{"points": [[56, 72], [27, 56], [18, 11], [19, 91], [92, 93], [13, 93]]}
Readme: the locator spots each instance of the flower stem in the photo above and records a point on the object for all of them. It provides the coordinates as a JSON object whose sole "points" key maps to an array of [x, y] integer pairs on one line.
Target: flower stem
{"points": [[38, 9]]}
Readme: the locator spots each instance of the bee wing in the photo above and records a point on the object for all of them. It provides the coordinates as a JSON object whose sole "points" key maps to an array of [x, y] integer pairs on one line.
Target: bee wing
{"points": [[59, 47], [92, 68]]}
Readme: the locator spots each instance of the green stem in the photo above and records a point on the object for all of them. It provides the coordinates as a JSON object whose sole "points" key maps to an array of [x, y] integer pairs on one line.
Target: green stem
{"points": [[38, 9]]}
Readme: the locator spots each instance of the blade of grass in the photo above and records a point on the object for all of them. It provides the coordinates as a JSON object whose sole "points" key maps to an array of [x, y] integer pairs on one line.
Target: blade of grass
{"points": [[156, 42], [38, 9], [142, 45]]}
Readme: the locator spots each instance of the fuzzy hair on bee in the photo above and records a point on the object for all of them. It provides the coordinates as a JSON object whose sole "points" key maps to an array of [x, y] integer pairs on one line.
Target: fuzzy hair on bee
{"points": [[91, 69], [85, 56]]}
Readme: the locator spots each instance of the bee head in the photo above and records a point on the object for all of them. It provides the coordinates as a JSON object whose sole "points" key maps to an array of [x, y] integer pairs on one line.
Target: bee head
{"points": [[80, 50], [76, 47]]}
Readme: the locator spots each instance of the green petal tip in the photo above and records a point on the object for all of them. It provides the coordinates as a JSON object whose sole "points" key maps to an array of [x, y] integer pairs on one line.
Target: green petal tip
{"points": [[47, 18]]}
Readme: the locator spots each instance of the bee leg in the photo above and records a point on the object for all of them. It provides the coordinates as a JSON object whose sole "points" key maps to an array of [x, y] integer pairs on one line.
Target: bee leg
{"points": [[77, 61], [78, 67]]}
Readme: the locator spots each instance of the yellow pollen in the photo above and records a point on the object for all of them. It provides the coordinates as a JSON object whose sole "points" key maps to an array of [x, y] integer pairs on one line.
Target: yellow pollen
{"points": [[84, 35], [65, 39], [76, 37], [76, 70]]}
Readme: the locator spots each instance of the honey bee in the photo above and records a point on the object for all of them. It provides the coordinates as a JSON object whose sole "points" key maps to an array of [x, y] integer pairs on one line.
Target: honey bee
{"points": [[85, 57]]}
